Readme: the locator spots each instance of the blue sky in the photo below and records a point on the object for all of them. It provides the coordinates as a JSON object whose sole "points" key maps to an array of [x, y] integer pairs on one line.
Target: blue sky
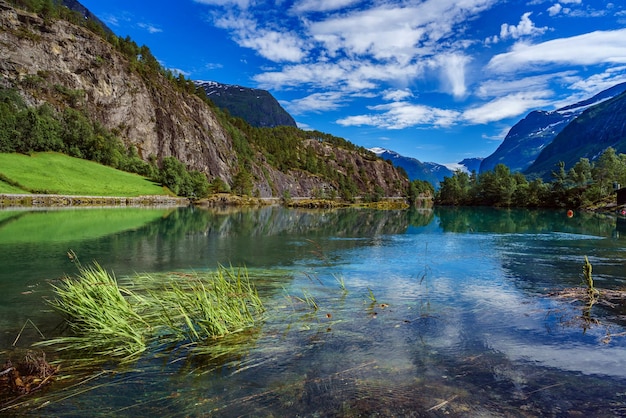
{"points": [[437, 80]]}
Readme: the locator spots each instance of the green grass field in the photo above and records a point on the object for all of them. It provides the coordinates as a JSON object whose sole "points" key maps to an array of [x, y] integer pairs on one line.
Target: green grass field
{"points": [[55, 173]]}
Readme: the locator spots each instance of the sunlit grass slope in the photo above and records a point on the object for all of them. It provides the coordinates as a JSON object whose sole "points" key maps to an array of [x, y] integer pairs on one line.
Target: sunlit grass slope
{"points": [[55, 173], [8, 189]]}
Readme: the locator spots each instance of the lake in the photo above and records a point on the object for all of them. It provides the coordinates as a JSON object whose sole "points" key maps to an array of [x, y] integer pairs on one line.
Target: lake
{"points": [[443, 312]]}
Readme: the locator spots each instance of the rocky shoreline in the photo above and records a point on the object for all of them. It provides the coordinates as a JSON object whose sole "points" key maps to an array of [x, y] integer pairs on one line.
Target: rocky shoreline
{"points": [[55, 200]]}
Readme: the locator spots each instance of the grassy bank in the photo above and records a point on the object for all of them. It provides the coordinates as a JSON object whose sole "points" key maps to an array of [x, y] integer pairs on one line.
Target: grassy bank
{"points": [[54, 173]]}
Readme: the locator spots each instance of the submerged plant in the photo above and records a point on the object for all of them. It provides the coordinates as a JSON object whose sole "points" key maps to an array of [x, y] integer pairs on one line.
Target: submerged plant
{"points": [[371, 295], [308, 299], [591, 290], [110, 319], [341, 282]]}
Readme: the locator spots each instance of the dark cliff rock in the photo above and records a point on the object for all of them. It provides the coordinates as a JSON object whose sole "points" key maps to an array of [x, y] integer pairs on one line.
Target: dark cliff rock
{"points": [[257, 107]]}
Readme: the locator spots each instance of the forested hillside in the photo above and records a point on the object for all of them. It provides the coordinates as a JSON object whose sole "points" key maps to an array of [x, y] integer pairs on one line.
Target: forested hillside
{"points": [[70, 85], [584, 184]]}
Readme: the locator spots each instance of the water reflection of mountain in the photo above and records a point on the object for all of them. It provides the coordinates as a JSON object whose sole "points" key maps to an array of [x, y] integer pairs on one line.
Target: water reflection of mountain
{"points": [[187, 238], [268, 236]]}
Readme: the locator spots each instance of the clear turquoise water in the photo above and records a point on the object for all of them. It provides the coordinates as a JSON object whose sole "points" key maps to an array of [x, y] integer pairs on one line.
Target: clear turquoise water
{"points": [[444, 313]]}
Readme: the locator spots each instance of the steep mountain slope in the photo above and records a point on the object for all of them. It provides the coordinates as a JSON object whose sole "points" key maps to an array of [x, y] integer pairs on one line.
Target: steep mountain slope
{"points": [[597, 128], [526, 140], [257, 107], [122, 87]]}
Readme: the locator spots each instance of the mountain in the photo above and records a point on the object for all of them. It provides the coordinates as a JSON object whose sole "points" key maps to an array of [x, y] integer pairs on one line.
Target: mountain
{"points": [[415, 169], [86, 13], [257, 107], [70, 71], [433, 173], [597, 128], [526, 139], [471, 164]]}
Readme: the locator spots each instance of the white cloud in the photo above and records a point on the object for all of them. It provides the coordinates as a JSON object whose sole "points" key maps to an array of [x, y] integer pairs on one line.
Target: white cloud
{"points": [[241, 3], [525, 27], [111, 20], [399, 33], [453, 73], [585, 88], [316, 102], [150, 28], [499, 87], [274, 45], [400, 115], [591, 48], [348, 75], [321, 5], [555, 9], [507, 107], [397, 95]]}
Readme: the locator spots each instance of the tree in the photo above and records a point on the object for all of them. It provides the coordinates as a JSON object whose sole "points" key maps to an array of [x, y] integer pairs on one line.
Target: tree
{"points": [[242, 182], [608, 169], [580, 174], [455, 190], [175, 176]]}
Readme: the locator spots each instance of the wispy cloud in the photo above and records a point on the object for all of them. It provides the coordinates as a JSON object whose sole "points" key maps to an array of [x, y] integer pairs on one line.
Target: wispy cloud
{"points": [[600, 47], [347, 75], [304, 6], [240, 3], [397, 95], [334, 51], [316, 102], [277, 46], [507, 107], [504, 86], [150, 28], [400, 115], [453, 73]]}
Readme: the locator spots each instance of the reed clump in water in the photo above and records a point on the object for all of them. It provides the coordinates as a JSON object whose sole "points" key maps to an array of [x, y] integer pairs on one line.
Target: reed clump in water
{"points": [[122, 319], [587, 277]]}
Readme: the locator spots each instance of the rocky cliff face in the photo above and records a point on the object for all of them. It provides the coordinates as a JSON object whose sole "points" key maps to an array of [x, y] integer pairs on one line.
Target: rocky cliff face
{"points": [[63, 64], [67, 65]]}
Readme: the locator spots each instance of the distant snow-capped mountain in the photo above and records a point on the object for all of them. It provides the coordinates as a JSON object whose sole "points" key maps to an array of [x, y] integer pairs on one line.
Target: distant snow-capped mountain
{"points": [[527, 138], [434, 173]]}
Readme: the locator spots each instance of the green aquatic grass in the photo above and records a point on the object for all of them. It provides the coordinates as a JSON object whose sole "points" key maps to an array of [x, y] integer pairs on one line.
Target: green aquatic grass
{"points": [[101, 315], [55, 173], [112, 319]]}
